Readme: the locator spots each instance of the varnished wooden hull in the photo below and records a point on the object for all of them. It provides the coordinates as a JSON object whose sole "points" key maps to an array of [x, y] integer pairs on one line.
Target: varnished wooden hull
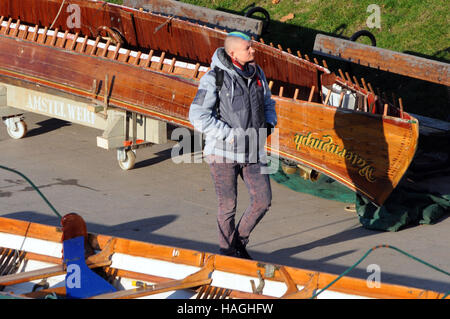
{"points": [[39, 249], [137, 28], [369, 153]]}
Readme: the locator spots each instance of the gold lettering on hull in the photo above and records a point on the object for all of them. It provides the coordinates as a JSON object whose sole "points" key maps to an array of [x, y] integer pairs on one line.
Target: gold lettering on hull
{"points": [[326, 144]]}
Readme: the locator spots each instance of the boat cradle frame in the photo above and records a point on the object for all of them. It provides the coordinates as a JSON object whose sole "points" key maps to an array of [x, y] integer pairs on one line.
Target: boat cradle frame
{"points": [[123, 130]]}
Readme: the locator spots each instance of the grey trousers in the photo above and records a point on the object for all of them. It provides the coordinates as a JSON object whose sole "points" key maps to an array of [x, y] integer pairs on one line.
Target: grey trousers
{"points": [[225, 176]]}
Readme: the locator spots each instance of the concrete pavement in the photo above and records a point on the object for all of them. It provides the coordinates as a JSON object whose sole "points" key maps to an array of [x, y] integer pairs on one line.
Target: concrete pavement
{"points": [[175, 204]]}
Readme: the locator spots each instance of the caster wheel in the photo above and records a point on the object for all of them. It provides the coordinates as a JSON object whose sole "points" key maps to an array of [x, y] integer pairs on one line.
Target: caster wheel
{"points": [[17, 130], [129, 161]]}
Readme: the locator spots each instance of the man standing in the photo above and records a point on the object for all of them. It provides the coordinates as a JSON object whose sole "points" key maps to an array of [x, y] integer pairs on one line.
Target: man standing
{"points": [[234, 109]]}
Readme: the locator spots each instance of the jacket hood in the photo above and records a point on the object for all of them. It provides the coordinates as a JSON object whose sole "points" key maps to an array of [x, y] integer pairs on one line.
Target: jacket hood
{"points": [[221, 60]]}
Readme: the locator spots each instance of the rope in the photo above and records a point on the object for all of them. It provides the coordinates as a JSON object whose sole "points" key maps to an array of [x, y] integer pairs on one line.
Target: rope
{"points": [[57, 16], [35, 188], [367, 254]]}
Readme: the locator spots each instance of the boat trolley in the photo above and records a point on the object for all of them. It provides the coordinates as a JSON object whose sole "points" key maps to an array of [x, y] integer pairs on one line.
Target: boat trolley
{"points": [[123, 130]]}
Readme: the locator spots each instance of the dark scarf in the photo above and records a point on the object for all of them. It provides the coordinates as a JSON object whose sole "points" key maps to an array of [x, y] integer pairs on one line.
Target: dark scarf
{"points": [[247, 71]]}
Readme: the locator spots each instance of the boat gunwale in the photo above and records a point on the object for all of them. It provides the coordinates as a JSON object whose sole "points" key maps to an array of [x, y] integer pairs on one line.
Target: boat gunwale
{"points": [[406, 118], [301, 277], [409, 119]]}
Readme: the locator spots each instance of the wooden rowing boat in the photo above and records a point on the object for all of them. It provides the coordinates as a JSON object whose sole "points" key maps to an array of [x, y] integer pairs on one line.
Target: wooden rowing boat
{"points": [[41, 261], [328, 122]]}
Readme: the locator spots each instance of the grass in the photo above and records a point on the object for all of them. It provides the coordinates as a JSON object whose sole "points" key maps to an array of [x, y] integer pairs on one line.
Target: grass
{"points": [[408, 25], [417, 27]]}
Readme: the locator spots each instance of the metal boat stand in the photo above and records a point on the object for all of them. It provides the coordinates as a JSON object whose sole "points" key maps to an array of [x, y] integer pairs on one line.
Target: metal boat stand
{"points": [[123, 130]]}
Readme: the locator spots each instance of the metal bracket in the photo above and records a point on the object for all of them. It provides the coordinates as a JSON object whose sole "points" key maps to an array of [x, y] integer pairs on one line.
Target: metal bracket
{"points": [[100, 108], [121, 154]]}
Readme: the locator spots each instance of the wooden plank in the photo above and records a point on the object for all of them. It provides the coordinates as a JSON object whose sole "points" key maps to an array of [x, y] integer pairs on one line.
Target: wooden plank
{"points": [[153, 289], [41, 294], [138, 58], [55, 37], [195, 73], [95, 46], [42, 273], [85, 41], [44, 35], [16, 30], [292, 291], [8, 25], [31, 275], [28, 229], [383, 59], [296, 94], [25, 32], [63, 42], [201, 277], [161, 61], [116, 52], [74, 42], [196, 13], [311, 94], [149, 250], [105, 50], [35, 33]]}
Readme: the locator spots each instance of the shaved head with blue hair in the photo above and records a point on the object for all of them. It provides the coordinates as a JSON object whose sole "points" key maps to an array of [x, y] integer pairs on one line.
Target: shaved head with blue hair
{"points": [[236, 43], [238, 34], [233, 38]]}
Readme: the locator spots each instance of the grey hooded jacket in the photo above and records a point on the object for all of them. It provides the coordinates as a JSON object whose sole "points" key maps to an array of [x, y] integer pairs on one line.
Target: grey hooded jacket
{"points": [[237, 132]]}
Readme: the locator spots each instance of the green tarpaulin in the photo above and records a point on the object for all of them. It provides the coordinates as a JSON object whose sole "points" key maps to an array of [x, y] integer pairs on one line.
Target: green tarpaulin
{"points": [[324, 187], [403, 207]]}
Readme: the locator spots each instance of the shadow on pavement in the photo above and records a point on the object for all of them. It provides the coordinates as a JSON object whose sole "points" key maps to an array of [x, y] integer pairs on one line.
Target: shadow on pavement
{"points": [[141, 230]]}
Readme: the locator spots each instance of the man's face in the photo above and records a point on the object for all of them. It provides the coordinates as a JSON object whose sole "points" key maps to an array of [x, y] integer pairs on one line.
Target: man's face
{"points": [[243, 51]]}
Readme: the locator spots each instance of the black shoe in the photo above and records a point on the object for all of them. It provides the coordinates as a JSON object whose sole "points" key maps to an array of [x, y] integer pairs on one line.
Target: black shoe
{"points": [[228, 252], [241, 252]]}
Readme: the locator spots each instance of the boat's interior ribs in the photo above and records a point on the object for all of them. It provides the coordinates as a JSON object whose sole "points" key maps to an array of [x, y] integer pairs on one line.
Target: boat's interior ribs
{"points": [[10, 261], [340, 91], [105, 47]]}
